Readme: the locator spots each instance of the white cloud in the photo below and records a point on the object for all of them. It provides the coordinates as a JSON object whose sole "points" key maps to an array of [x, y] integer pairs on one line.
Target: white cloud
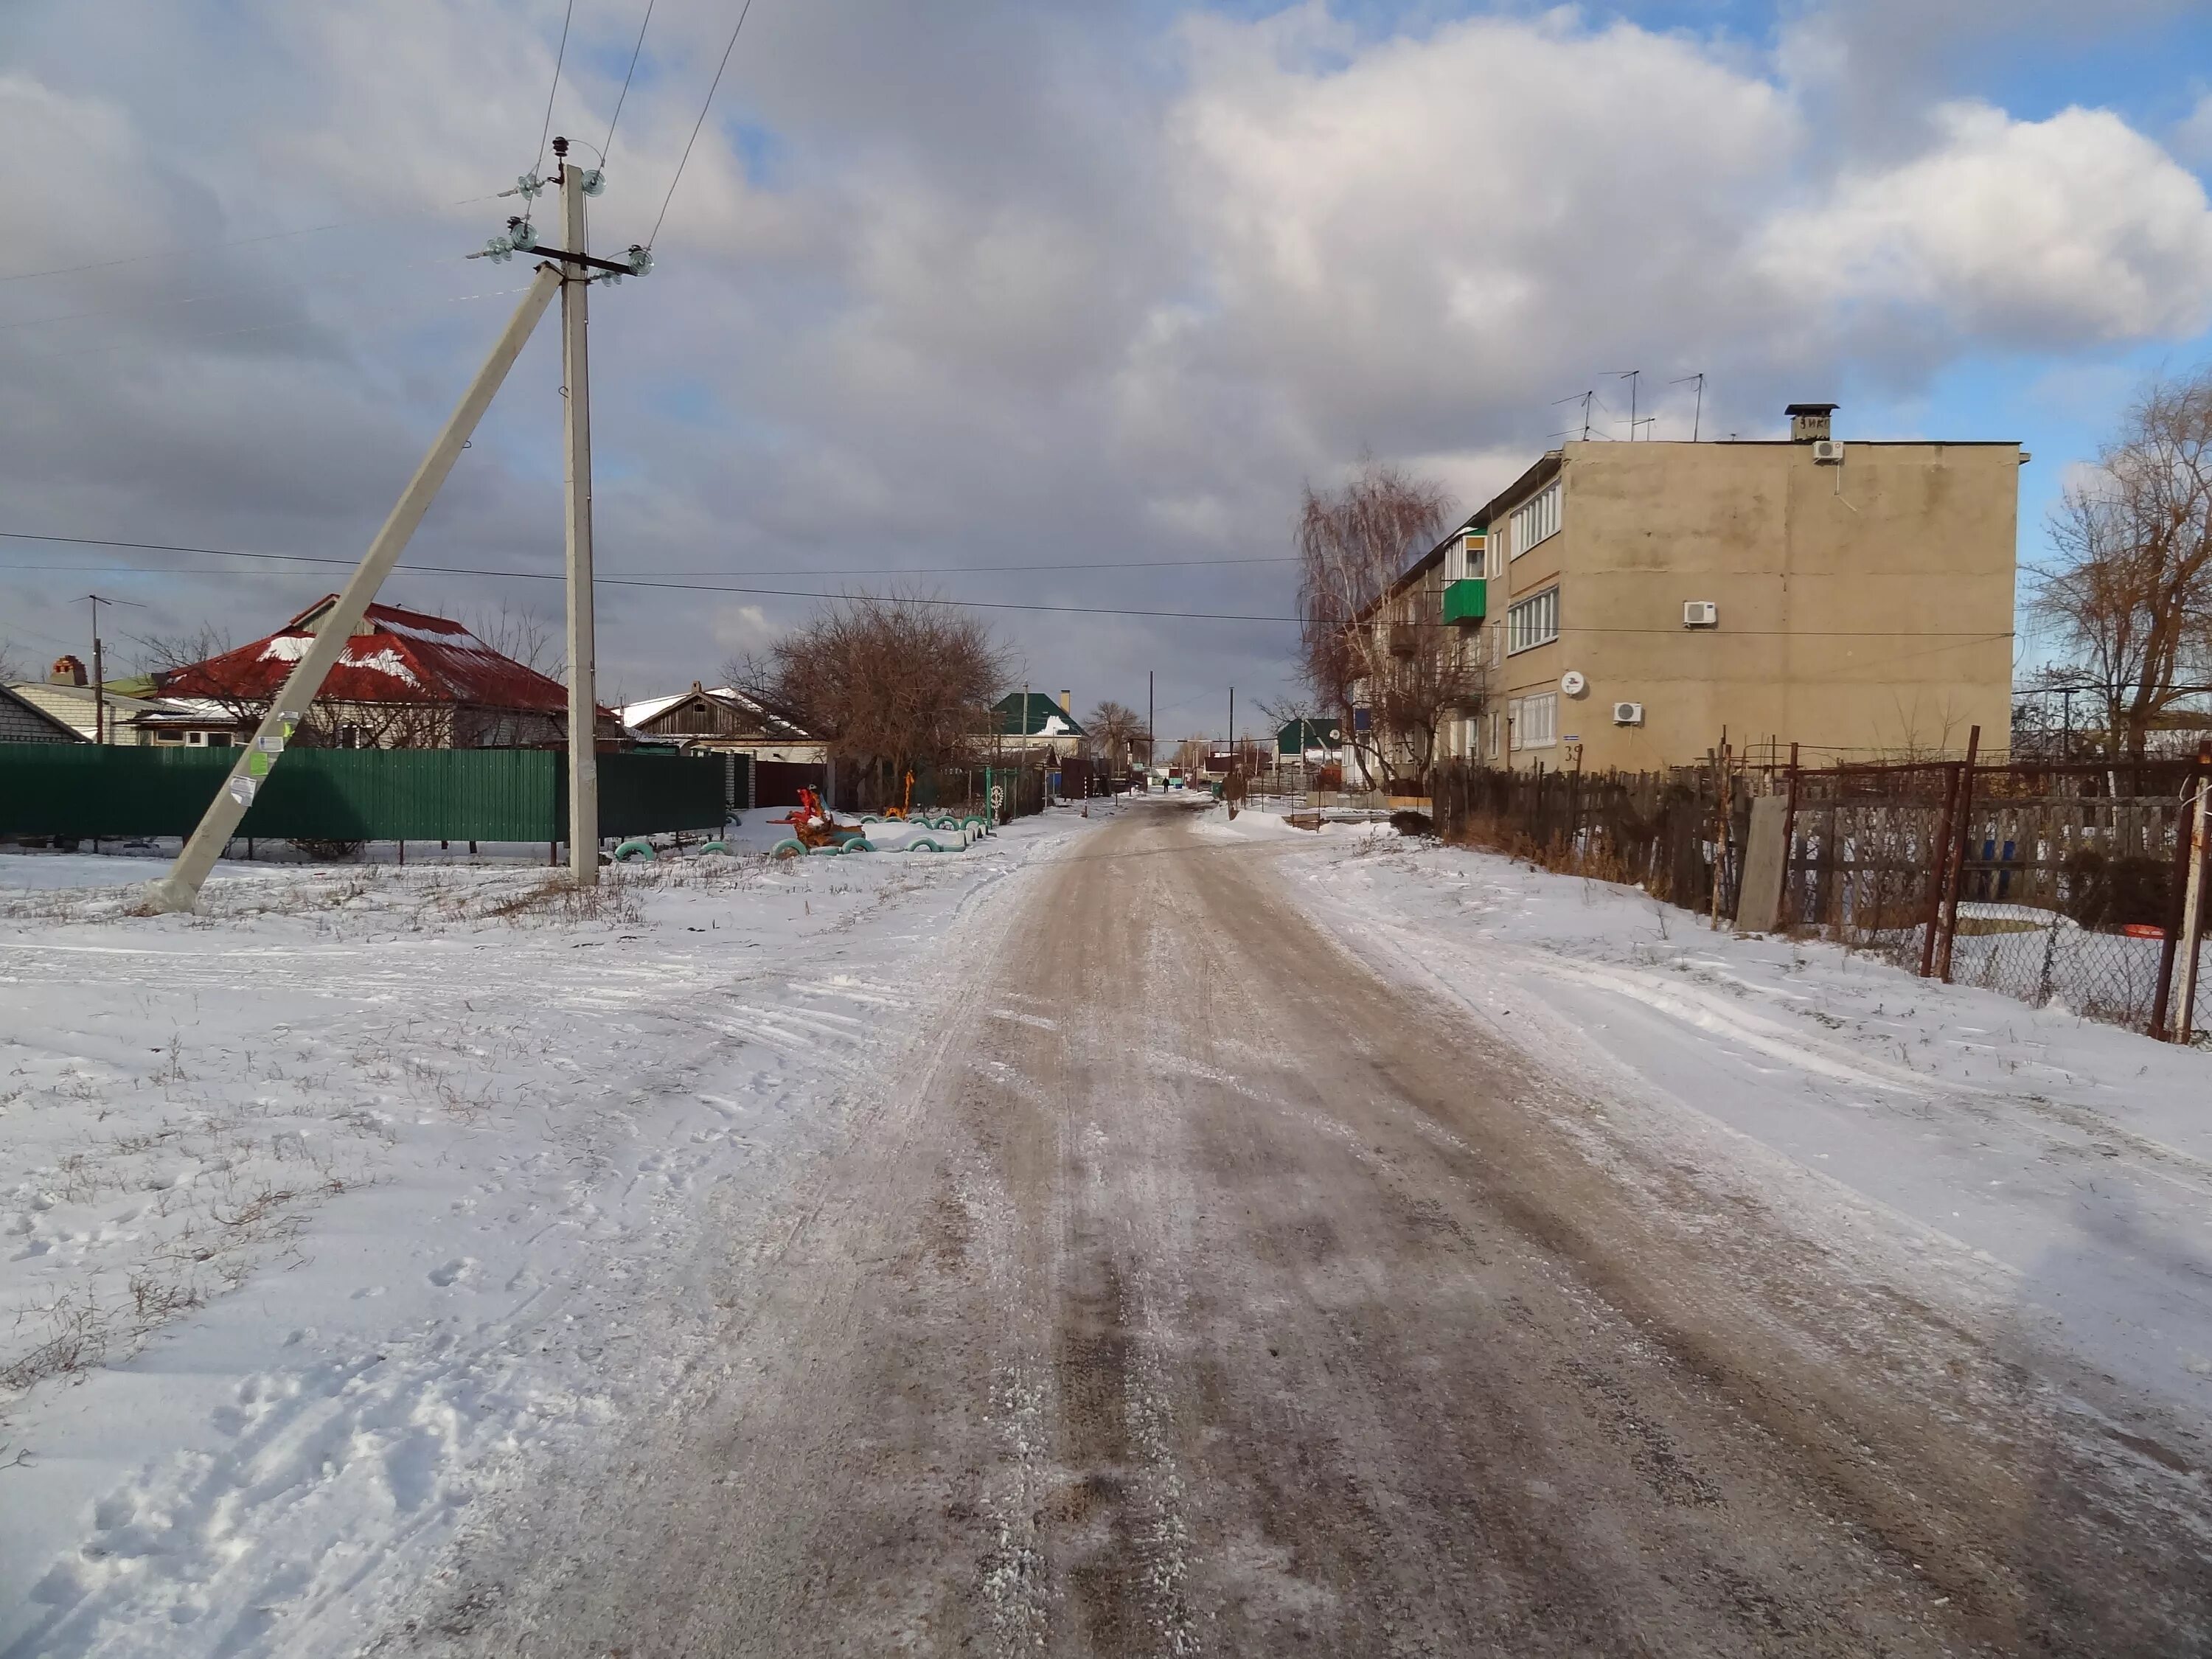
{"points": [[1020, 283], [2192, 137], [2046, 233]]}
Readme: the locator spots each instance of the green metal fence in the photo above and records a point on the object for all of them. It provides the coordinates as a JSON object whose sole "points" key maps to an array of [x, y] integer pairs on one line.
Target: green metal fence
{"points": [[82, 790]]}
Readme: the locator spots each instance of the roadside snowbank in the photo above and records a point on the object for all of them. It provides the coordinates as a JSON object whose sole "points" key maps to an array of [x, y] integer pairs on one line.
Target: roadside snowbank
{"points": [[2072, 1158], [326, 1213]]}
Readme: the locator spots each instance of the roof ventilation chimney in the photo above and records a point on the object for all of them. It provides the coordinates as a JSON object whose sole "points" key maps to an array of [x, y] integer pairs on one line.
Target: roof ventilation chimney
{"points": [[1067, 702], [66, 671], [1809, 423]]}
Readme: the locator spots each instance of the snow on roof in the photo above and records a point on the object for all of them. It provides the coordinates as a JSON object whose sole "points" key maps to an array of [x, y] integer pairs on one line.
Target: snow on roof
{"points": [[637, 714], [394, 656]]}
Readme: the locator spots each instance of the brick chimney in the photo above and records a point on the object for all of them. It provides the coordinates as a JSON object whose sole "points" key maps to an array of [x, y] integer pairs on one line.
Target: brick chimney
{"points": [[1810, 422], [66, 671], [1068, 704]]}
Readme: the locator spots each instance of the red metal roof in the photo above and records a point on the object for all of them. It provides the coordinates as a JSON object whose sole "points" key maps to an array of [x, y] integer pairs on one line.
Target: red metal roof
{"points": [[395, 656]]}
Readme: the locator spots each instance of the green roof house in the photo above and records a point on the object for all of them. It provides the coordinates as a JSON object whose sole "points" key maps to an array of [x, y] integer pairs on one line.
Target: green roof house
{"points": [[1032, 722], [1309, 739]]}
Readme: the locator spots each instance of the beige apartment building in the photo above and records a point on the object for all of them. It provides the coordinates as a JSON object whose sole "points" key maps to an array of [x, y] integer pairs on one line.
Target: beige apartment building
{"points": [[1635, 600]]}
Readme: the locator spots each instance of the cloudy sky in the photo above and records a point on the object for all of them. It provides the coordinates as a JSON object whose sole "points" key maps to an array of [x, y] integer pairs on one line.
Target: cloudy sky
{"points": [[1089, 288]]}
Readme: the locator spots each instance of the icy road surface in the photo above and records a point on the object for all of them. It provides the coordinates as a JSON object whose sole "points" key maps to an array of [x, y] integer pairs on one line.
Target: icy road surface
{"points": [[330, 1215], [1199, 1285]]}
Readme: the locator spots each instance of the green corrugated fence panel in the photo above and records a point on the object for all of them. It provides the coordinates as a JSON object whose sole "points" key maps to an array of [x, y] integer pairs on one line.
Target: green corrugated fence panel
{"points": [[646, 795], [368, 794], [415, 794], [86, 789]]}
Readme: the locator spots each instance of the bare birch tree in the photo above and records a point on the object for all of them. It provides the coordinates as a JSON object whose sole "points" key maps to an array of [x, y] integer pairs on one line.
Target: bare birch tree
{"points": [[2128, 593], [1369, 644]]}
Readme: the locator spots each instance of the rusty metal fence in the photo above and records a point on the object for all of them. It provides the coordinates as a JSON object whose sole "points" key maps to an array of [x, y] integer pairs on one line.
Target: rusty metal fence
{"points": [[2061, 886]]}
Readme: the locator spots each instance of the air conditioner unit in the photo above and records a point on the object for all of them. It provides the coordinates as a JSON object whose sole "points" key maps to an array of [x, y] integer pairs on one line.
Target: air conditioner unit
{"points": [[1628, 714], [1700, 613], [1826, 451]]}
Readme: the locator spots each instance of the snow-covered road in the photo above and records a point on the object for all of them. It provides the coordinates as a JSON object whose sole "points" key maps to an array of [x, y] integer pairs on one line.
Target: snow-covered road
{"points": [[328, 1216], [1207, 1288], [1141, 1236]]}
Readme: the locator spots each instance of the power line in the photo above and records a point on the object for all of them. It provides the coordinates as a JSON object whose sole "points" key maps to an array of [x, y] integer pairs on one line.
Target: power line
{"points": [[558, 57], [717, 587], [883, 570], [233, 241], [226, 293], [256, 328], [684, 160], [624, 95]]}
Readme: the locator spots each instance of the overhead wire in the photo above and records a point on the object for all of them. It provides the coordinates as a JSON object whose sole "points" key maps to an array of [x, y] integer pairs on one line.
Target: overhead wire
{"points": [[551, 92], [684, 160], [386, 315], [231, 242], [882, 570], [624, 95]]}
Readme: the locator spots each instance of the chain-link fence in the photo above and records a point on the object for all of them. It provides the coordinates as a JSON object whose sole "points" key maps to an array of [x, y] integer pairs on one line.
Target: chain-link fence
{"points": [[2061, 886]]}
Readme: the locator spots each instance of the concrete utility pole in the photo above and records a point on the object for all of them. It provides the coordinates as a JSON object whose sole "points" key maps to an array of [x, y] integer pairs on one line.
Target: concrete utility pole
{"points": [[99, 671], [1151, 757], [179, 889], [576, 481]]}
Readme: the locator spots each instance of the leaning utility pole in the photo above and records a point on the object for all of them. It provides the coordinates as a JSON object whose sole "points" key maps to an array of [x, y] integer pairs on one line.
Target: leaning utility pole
{"points": [[179, 889], [576, 482]]}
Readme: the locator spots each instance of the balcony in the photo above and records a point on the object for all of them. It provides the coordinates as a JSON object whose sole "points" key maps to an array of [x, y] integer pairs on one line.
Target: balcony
{"points": [[1464, 601]]}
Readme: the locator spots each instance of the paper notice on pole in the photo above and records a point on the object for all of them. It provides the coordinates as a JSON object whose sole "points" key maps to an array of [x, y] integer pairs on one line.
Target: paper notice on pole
{"points": [[257, 764], [241, 789]]}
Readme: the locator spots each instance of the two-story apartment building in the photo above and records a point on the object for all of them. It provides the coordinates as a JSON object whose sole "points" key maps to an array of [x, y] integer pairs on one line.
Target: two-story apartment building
{"points": [[1635, 600]]}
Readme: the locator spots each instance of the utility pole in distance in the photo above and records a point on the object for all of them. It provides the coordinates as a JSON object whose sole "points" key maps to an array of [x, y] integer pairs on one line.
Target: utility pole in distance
{"points": [[99, 669], [576, 482]]}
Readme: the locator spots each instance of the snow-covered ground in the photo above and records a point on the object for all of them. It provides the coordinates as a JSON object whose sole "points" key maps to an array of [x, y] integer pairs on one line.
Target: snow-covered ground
{"points": [[2064, 1165], [327, 1212]]}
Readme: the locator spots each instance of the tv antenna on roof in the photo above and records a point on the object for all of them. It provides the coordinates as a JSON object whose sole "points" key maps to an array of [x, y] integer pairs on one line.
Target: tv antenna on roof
{"points": [[1634, 377], [1585, 398], [1698, 416]]}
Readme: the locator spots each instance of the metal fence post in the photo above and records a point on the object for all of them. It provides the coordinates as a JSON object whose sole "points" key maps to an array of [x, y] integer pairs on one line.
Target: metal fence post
{"points": [[2185, 919], [1956, 855], [1939, 871]]}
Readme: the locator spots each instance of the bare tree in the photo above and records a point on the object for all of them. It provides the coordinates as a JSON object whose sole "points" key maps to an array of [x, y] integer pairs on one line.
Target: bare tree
{"points": [[523, 636], [11, 666], [2128, 591], [1371, 642], [887, 684], [1116, 730]]}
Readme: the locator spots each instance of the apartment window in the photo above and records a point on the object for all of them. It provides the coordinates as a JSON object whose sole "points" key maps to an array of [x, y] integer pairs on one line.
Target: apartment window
{"points": [[1463, 559], [1531, 622], [1536, 518], [1536, 720]]}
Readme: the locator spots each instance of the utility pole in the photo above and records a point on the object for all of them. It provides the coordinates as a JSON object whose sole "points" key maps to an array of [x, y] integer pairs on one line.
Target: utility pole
{"points": [[99, 689], [1152, 753], [1232, 728], [576, 484], [179, 889]]}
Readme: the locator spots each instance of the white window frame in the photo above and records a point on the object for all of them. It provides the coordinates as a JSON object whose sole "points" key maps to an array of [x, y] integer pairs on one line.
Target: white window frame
{"points": [[1536, 521], [1459, 566], [1538, 723], [1532, 621]]}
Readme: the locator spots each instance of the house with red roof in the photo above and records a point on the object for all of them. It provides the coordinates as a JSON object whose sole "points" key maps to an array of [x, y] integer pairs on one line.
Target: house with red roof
{"points": [[406, 680]]}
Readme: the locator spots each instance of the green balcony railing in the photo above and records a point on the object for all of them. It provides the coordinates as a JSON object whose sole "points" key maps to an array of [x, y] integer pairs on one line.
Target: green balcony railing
{"points": [[1464, 600]]}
